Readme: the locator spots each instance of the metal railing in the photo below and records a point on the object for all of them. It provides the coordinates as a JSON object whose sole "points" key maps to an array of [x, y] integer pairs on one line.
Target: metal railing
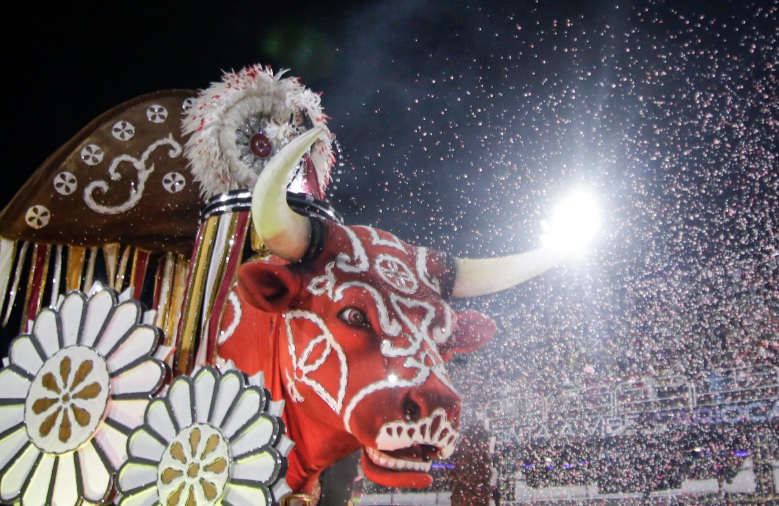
{"points": [[718, 388]]}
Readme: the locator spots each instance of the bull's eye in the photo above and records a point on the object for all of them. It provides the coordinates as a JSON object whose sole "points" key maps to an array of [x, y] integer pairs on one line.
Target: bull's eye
{"points": [[354, 316]]}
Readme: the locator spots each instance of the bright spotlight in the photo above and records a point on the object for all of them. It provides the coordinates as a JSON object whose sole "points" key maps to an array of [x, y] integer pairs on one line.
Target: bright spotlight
{"points": [[573, 224]]}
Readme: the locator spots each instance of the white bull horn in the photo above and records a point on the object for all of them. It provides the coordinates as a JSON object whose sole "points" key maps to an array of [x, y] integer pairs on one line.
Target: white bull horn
{"points": [[483, 276], [284, 232]]}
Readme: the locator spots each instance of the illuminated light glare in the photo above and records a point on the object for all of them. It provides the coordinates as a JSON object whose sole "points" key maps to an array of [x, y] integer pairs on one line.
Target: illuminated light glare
{"points": [[392, 378], [573, 224]]}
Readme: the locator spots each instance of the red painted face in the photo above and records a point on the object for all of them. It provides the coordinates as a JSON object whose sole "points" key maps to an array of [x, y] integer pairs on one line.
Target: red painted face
{"points": [[368, 334]]}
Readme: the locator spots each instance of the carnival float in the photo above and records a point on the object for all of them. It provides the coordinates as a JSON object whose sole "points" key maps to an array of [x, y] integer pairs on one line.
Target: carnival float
{"points": [[194, 324]]}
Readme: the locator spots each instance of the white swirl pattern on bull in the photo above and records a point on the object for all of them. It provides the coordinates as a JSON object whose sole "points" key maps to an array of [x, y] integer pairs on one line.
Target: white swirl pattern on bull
{"points": [[320, 350], [407, 324], [391, 240], [358, 262], [430, 281], [396, 273]]}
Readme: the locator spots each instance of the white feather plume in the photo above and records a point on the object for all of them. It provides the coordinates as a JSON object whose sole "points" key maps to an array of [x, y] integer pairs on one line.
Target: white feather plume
{"points": [[220, 110]]}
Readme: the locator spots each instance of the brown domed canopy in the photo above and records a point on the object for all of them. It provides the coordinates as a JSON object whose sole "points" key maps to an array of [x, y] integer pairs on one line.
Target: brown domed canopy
{"points": [[122, 179]]}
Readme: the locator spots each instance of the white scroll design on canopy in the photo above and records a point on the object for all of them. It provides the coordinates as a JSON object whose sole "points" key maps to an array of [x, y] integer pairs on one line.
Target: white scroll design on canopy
{"points": [[136, 191]]}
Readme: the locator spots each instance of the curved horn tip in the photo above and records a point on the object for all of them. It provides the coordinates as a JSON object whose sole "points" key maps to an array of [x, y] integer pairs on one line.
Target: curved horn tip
{"points": [[284, 232]]}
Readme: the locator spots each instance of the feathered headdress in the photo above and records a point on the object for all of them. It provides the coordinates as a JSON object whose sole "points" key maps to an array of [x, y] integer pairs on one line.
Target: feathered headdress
{"points": [[236, 126]]}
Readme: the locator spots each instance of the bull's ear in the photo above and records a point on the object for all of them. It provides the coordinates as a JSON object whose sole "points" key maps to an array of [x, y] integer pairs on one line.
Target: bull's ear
{"points": [[267, 286], [473, 330]]}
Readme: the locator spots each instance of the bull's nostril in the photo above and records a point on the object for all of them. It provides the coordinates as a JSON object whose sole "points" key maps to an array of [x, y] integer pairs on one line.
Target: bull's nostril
{"points": [[411, 410]]}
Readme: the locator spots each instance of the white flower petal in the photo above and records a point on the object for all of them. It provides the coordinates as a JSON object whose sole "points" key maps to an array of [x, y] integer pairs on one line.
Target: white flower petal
{"points": [[259, 467], [149, 317], [11, 416], [66, 483], [181, 403], [247, 405], [97, 482], [276, 408], [143, 377], [98, 308], [24, 354], [46, 332], [245, 495], [159, 419], [38, 487], [135, 475], [281, 488], [145, 497], [113, 443], [13, 384], [141, 342], [143, 445], [164, 353], [126, 294], [204, 393], [70, 312], [257, 434], [285, 445], [12, 444], [17, 474], [122, 319], [257, 380], [128, 412], [229, 386]]}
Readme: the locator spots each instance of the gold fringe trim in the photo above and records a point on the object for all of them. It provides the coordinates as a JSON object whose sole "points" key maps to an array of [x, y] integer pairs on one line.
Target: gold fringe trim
{"points": [[89, 276], [7, 252], [162, 290], [111, 258], [178, 291], [74, 267], [15, 284], [122, 270], [140, 266], [32, 307], [56, 277]]}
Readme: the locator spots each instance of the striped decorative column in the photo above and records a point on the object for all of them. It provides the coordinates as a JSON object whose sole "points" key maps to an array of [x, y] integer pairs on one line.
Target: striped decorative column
{"points": [[224, 241], [219, 246]]}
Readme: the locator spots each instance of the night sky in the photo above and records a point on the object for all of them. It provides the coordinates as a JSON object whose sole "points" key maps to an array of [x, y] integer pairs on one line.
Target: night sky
{"points": [[461, 123]]}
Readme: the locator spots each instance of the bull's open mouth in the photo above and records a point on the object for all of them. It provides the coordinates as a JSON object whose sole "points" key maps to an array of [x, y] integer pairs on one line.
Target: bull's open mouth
{"points": [[402, 468], [403, 453], [415, 458]]}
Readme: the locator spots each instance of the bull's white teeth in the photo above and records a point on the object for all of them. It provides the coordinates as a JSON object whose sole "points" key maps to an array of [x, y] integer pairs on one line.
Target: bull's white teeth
{"points": [[381, 459], [434, 430]]}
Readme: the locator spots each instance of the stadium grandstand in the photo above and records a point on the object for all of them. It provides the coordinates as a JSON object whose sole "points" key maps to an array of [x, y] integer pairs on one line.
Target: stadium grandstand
{"points": [[712, 439]]}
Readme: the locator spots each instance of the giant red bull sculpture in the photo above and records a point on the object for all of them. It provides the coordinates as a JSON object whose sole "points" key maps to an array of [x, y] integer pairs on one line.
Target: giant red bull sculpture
{"points": [[352, 327]]}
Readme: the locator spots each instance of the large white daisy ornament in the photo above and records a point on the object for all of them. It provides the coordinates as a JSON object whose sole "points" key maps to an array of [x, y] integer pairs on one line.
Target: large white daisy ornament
{"points": [[73, 390], [212, 439]]}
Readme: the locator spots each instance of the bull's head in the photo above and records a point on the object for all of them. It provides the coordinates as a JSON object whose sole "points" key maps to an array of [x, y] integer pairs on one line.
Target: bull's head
{"points": [[368, 331]]}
